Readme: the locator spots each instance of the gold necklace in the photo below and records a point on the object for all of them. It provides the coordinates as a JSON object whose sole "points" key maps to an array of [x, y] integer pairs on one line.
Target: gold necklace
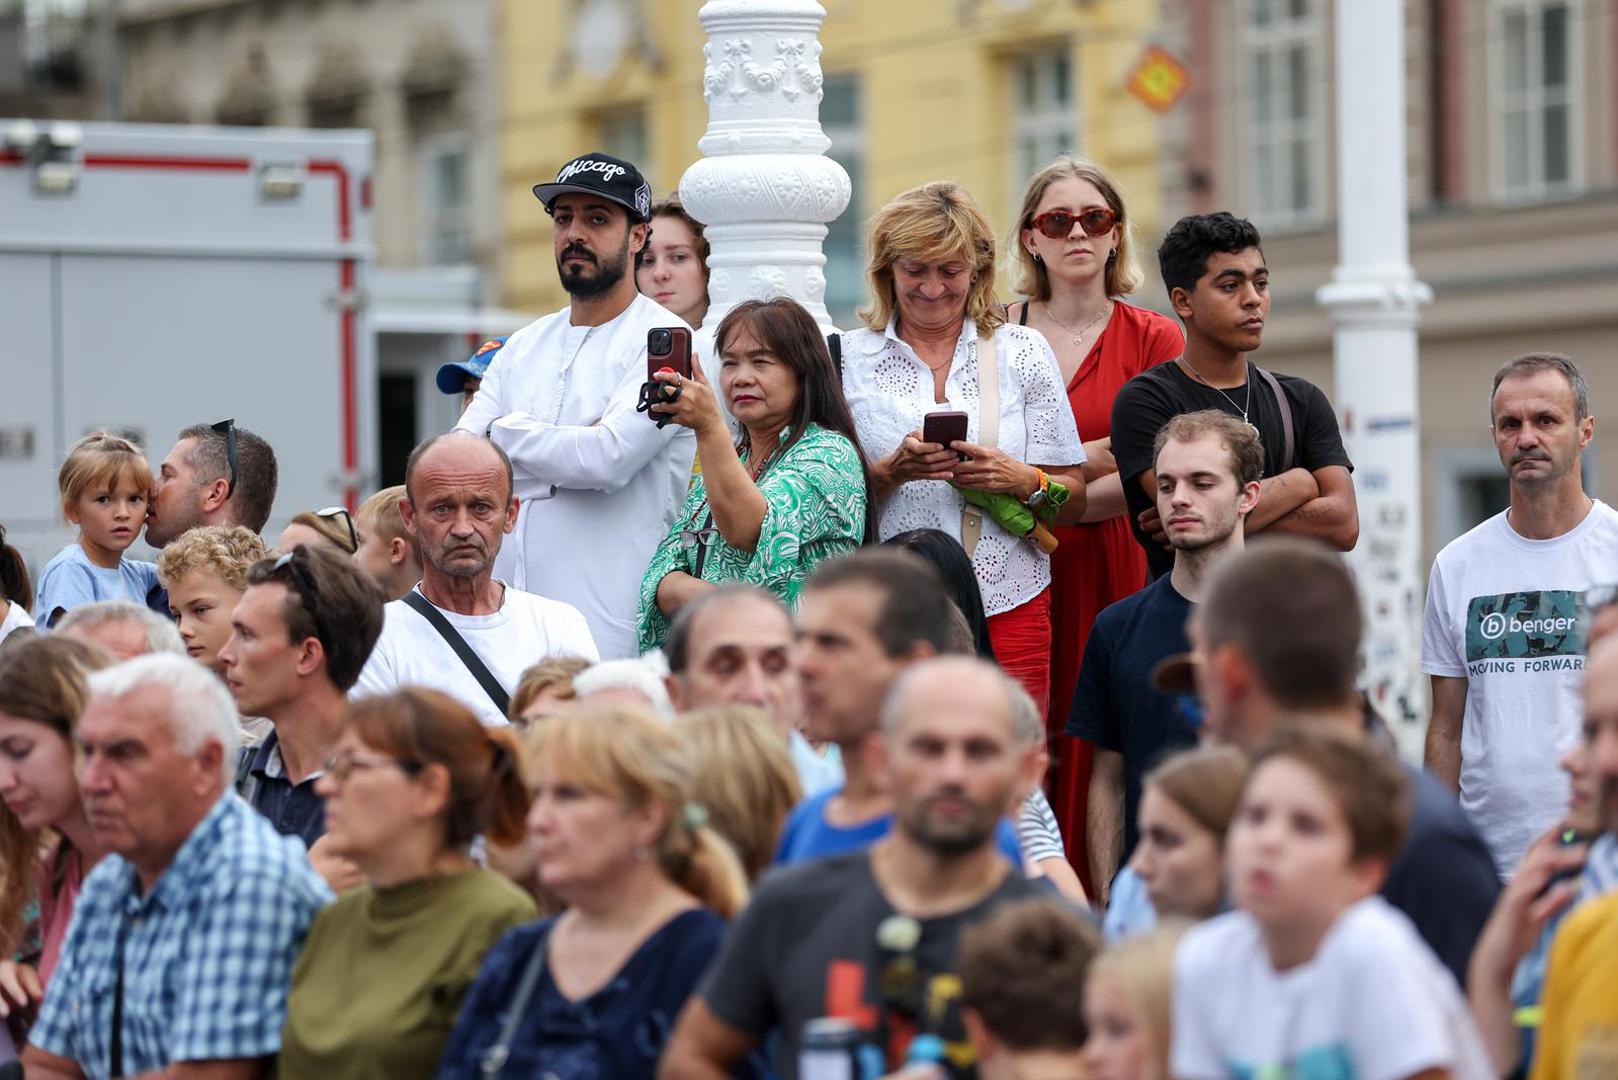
{"points": [[1078, 335]]}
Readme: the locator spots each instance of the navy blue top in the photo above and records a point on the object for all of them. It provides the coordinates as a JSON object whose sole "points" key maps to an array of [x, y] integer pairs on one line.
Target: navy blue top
{"points": [[1116, 707], [294, 809], [618, 1031]]}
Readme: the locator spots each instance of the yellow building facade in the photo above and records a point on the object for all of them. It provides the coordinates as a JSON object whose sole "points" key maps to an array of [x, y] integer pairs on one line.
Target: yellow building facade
{"points": [[979, 91]]}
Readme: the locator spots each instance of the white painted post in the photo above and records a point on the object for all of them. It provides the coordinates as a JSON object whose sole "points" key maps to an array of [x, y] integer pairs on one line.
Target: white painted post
{"points": [[1374, 299], [764, 186]]}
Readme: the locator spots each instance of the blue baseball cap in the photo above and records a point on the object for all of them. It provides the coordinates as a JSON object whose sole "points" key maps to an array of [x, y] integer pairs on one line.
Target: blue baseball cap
{"points": [[452, 376]]}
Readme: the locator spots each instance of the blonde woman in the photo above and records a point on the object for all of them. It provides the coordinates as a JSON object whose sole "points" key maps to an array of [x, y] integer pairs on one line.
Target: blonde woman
{"points": [[1073, 257], [745, 779], [1129, 1008], [648, 886], [933, 308]]}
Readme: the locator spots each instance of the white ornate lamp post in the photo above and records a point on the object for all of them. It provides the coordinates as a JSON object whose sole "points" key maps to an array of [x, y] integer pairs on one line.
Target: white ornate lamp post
{"points": [[1374, 298], [764, 186]]}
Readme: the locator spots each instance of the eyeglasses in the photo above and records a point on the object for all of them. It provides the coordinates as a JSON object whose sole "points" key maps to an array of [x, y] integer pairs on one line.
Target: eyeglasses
{"points": [[1059, 223], [227, 428], [341, 765], [304, 584], [348, 520], [690, 538]]}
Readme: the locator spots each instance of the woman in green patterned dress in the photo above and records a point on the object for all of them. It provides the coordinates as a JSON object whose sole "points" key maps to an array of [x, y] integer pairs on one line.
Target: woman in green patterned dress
{"points": [[789, 493]]}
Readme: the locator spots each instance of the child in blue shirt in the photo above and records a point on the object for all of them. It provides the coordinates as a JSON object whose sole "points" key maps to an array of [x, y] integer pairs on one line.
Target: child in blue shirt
{"points": [[105, 483]]}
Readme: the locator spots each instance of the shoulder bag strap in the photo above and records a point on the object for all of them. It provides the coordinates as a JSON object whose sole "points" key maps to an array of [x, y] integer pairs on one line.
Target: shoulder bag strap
{"points": [[834, 345], [988, 430], [424, 607], [493, 1062], [1289, 451]]}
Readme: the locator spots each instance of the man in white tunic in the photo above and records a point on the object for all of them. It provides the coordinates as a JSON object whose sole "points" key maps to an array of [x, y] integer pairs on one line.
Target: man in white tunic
{"points": [[599, 482]]}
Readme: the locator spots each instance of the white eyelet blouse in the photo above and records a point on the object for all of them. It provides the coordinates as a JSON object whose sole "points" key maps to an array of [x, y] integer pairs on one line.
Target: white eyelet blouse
{"points": [[890, 390]]}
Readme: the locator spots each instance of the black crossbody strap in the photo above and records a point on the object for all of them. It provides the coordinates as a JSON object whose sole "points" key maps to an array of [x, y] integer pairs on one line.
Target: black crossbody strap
{"points": [[424, 607], [1289, 454], [834, 345]]}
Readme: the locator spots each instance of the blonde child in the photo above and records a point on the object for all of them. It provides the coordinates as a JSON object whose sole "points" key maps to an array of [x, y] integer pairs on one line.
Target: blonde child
{"points": [[104, 482], [387, 550], [205, 573], [1128, 1005]]}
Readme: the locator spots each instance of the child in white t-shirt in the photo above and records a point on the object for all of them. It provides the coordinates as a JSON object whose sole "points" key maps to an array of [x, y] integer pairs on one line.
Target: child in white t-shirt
{"points": [[1315, 977]]}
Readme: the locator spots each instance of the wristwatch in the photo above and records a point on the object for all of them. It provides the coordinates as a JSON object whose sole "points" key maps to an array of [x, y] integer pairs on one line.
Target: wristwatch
{"points": [[1041, 493]]}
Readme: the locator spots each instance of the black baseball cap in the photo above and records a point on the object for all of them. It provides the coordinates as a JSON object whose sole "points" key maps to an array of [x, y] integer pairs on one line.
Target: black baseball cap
{"points": [[614, 179]]}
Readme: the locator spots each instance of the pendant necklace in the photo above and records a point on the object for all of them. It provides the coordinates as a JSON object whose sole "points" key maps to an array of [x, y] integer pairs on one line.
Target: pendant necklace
{"points": [[1247, 399], [1078, 335]]}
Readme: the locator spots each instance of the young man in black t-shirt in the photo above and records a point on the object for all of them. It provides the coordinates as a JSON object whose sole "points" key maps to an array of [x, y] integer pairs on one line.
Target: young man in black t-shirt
{"points": [[1217, 280]]}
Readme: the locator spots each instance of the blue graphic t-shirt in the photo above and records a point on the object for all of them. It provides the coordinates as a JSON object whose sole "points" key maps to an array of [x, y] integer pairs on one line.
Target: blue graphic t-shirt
{"points": [[1505, 613]]}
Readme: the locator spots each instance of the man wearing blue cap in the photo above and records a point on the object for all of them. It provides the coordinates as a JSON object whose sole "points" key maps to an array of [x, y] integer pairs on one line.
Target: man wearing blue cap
{"points": [[599, 483], [463, 377]]}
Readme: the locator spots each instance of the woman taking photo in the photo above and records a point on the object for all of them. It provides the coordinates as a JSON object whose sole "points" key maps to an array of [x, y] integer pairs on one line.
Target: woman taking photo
{"points": [[648, 885], [932, 309], [790, 493], [673, 270], [414, 778], [1074, 259], [43, 691]]}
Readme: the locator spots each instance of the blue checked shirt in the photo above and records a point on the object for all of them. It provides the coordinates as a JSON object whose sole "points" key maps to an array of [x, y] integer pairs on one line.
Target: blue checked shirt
{"points": [[208, 953]]}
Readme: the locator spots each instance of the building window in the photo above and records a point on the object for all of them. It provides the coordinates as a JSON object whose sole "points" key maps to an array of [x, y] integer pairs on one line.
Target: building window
{"points": [[446, 200], [1284, 155], [1043, 114], [622, 133], [845, 249], [1534, 98]]}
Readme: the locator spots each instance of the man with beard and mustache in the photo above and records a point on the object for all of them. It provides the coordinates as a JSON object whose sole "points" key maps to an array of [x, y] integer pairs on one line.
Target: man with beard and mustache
{"points": [[1504, 640], [1207, 466], [871, 937], [600, 483], [462, 630]]}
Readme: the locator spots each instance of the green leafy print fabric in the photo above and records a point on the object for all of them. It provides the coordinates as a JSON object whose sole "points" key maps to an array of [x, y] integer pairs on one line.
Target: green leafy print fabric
{"points": [[816, 510]]}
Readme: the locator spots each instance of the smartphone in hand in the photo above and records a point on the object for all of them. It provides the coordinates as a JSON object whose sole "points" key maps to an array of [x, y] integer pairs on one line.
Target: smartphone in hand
{"points": [[944, 427], [668, 348]]}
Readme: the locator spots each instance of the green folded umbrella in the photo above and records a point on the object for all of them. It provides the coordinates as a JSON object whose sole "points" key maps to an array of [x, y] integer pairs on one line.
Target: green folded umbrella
{"points": [[1011, 513]]}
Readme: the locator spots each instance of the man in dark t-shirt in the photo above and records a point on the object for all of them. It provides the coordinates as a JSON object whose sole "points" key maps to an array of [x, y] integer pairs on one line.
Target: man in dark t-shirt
{"points": [[1214, 271], [871, 937], [1207, 466]]}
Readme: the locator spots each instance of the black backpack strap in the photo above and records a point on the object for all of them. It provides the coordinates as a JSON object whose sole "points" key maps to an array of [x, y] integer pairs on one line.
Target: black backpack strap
{"points": [[834, 345], [1289, 451], [491, 686]]}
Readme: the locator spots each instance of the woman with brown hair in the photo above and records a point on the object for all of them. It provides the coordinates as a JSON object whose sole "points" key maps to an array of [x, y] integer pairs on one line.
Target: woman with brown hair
{"points": [[43, 690], [1186, 807], [1074, 258], [595, 991], [789, 494], [673, 268], [414, 779], [935, 340]]}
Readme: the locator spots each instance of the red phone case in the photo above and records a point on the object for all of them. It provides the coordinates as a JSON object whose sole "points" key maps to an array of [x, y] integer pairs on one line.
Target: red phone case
{"points": [[677, 359]]}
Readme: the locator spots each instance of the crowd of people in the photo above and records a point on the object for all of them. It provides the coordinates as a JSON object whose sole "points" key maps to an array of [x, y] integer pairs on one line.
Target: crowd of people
{"points": [[970, 693]]}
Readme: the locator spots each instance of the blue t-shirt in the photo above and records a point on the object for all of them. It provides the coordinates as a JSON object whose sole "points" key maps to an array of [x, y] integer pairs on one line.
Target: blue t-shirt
{"points": [[71, 581], [808, 835], [1116, 707]]}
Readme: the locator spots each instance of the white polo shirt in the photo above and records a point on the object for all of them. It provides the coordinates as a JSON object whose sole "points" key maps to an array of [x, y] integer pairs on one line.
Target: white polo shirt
{"points": [[599, 482]]}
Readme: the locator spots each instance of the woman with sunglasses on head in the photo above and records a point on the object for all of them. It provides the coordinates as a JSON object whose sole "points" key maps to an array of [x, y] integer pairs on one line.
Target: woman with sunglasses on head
{"points": [[769, 507], [334, 526], [1074, 261], [935, 339], [413, 780], [647, 884], [46, 846]]}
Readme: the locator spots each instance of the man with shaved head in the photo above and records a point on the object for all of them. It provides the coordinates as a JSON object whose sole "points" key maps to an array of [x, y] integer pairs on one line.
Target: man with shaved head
{"points": [[462, 630]]}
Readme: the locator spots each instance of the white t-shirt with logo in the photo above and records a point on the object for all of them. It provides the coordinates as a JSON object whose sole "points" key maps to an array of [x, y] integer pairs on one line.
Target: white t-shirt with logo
{"points": [[1505, 614], [1373, 1004], [525, 630]]}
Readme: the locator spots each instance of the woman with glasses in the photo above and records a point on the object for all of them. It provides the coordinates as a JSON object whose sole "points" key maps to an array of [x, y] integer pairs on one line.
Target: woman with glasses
{"points": [[1074, 261], [334, 526], [412, 781], [790, 492], [648, 885], [935, 340]]}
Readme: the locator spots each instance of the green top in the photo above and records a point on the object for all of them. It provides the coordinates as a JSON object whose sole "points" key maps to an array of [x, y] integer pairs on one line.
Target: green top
{"points": [[381, 977], [816, 510]]}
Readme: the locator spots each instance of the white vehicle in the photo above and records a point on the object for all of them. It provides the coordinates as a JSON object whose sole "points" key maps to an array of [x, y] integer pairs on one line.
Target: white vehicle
{"points": [[155, 277]]}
